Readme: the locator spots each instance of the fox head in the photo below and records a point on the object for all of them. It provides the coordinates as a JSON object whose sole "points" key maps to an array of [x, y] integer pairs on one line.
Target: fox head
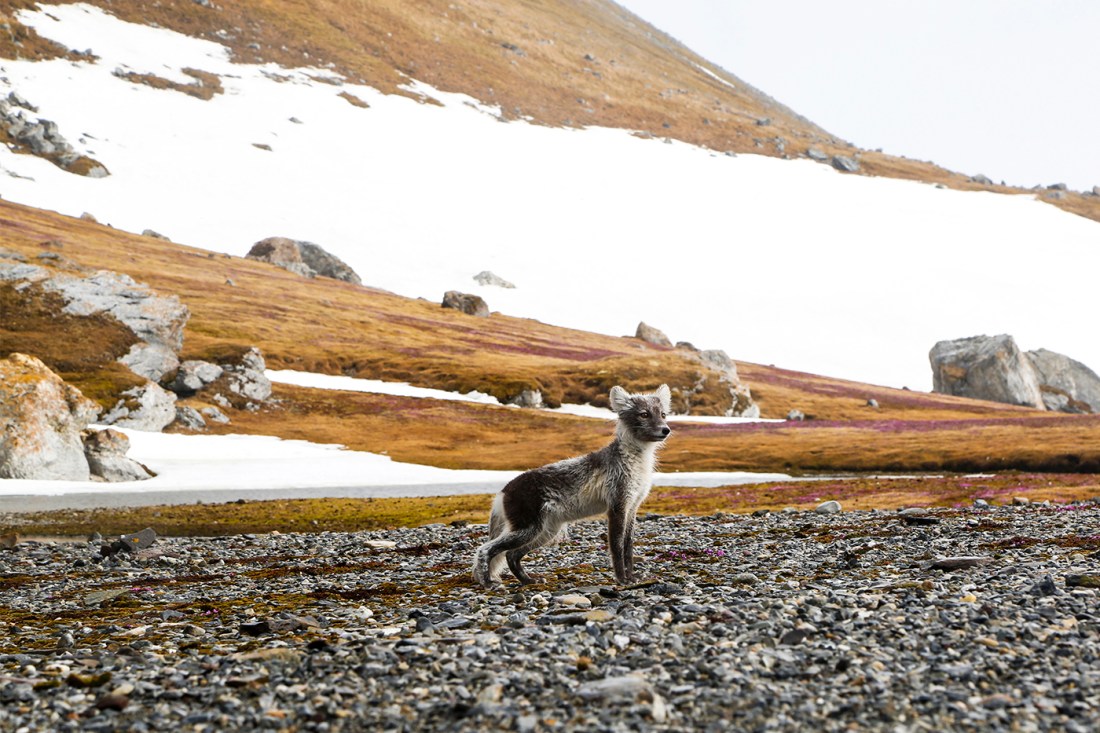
{"points": [[642, 416]]}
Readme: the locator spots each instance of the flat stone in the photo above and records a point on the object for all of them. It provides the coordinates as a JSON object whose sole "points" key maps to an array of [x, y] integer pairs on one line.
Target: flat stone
{"points": [[139, 541], [958, 563]]}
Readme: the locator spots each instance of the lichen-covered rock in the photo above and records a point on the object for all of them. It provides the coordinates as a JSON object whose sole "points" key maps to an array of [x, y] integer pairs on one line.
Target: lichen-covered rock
{"points": [[150, 408], [41, 420], [1067, 385], [302, 258], [985, 368], [652, 335], [471, 305], [106, 453], [157, 321]]}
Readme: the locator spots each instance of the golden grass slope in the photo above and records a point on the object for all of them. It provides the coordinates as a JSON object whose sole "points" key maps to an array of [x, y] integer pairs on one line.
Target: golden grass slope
{"points": [[553, 62], [333, 327]]}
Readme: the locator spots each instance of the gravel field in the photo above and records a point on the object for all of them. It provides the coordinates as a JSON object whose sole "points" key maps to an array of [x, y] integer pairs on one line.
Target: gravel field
{"points": [[983, 618]]}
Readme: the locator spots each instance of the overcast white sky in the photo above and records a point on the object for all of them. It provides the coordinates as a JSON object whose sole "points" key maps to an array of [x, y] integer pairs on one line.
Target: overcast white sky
{"points": [[1008, 88]]}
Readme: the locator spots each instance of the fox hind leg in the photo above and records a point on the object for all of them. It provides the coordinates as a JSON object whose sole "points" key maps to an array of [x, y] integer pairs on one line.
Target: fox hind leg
{"points": [[490, 556]]}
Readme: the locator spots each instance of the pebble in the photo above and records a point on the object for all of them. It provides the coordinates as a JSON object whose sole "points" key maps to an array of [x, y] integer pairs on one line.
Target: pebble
{"points": [[798, 623]]}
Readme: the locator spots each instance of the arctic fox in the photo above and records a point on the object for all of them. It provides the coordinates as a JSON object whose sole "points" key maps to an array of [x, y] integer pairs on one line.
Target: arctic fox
{"points": [[535, 506]]}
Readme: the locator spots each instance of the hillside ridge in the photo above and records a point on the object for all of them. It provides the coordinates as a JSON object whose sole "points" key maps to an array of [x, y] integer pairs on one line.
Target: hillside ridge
{"points": [[559, 64]]}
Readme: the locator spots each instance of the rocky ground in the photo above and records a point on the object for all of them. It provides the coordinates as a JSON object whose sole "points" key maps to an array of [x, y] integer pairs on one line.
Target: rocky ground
{"points": [[983, 618]]}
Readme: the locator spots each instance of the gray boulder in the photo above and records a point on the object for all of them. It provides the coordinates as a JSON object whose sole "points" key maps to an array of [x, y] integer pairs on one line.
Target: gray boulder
{"points": [[190, 418], [488, 278], [302, 258], [41, 420], [985, 368], [845, 164], [652, 335], [246, 377], [816, 154], [981, 179], [151, 361], [796, 415], [150, 408], [1067, 385], [106, 453], [471, 305], [327, 264], [282, 252], [193, 375]]}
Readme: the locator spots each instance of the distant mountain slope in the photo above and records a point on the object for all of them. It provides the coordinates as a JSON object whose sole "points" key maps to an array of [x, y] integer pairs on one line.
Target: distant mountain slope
{"points": [[571, 64]]}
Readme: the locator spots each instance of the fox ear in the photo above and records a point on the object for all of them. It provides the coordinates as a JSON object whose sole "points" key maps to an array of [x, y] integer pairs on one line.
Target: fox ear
{"points": [[665, 396], [620, 400]]}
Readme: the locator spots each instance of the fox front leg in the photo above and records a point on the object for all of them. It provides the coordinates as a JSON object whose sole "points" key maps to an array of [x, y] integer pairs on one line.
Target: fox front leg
{"points": [[617, 541]]}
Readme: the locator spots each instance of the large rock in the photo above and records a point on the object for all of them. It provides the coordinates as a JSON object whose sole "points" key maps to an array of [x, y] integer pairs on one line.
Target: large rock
{"points": [[150, 408], [1067, 385], [106, 453], [652, 335], [719, 362], [41, 420], [302, 258], [156, 321], [471, 305], [986, 368]]}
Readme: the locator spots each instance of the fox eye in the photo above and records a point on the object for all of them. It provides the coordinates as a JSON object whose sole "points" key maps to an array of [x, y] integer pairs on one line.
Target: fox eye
{"points": [[643, 413]]}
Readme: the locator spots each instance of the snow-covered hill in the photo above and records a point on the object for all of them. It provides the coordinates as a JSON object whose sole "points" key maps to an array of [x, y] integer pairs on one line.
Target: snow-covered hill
{"points": [[785, 262]]}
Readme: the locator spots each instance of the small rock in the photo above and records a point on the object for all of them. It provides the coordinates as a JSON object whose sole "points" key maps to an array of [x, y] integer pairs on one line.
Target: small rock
{"points": [[958, 563], [100, 597], [139, 541], [488, 278], [796, 415], [213, 414], [627, 687], [471, 305], [829, 507], [816, 154], [112, 701], [872, 403], [575, 600], [1045, 587], [981, 179]]}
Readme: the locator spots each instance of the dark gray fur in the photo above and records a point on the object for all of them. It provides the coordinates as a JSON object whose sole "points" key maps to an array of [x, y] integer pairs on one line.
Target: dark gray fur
{"points": [[532, 510]]}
